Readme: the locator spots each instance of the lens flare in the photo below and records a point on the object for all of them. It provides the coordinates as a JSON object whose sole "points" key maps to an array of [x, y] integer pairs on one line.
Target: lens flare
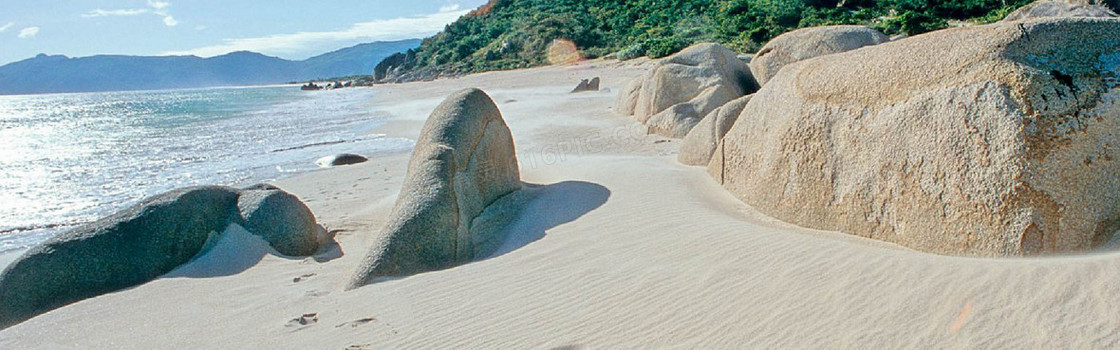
{"points": [[563, 51]]}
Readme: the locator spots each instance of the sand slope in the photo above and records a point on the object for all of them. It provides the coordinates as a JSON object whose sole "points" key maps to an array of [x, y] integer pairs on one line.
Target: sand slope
{"points": [[622, 248]]}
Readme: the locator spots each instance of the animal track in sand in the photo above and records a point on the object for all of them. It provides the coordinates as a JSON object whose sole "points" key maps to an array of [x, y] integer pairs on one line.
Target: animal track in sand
{"points": [[303, 320], [357, 323], [303, 277]]}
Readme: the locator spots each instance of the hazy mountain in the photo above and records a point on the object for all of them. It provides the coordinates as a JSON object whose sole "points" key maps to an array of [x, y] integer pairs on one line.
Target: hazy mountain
{"points": [[56, 73], [353, 60]]}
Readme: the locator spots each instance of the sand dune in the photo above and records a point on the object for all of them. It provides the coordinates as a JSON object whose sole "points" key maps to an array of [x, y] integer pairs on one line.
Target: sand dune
{"points": [[622, 247]]}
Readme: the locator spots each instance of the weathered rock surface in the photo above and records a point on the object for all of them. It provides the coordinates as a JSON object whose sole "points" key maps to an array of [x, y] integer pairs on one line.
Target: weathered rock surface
{"points": [[628, 98], [676, 93], [698, 145], [281, 219], [125, 249], [993, 140], [1045, 8], [463, 162], [807, 43], [587, 85]]}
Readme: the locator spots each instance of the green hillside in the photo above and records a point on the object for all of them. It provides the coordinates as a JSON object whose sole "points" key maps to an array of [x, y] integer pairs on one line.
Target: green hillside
{"points": [[506, 34]]}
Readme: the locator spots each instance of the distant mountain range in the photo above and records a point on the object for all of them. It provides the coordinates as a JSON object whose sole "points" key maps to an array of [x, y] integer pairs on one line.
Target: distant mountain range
{"points": [[57, 73]]}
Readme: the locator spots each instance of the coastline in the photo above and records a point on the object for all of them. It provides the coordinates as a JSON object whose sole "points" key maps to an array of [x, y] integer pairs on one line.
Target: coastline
{"points": [[238, 148], [624, 248]]}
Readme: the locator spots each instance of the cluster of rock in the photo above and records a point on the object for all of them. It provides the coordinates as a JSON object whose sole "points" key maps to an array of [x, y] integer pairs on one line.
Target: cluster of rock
{"points": [[147, 240], [311, 86], [676, 93], [964, 141], [401, 67], [462, 186]]}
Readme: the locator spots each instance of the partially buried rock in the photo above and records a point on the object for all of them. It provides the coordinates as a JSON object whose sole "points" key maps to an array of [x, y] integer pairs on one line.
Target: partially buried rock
{"points": [[587, 85], [993, 140], [810, 42], [149, 239], [281, 219], [1044, 9], [463, 164], [698, 146], [128, 248], [340, 159], [675, 94]]}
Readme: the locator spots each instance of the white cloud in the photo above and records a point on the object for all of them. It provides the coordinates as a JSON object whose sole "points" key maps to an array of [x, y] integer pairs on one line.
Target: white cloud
{"points": [[28, 32], [278, 44], [6, 26], [200, 27], [449, 8], [123, 12], [158, 8], [158, 5], [161, 10]]}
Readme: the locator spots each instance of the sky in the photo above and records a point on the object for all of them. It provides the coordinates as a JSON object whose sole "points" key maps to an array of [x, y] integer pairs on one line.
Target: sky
{"points": [[291, 29]]}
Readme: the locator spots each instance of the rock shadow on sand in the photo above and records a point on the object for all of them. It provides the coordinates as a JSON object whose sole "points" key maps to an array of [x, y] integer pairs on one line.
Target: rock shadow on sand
{"points": [[237, 250], [551, 205]]}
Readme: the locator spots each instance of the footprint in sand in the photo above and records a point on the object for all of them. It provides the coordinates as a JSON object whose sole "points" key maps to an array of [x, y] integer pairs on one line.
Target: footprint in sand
{"points": [[357, 323], [303, 277], [303, 320], [360, 347], [316, 293]]}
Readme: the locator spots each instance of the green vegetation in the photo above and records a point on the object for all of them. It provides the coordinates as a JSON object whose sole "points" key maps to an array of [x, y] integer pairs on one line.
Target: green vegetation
{"points": [[506, 34]]}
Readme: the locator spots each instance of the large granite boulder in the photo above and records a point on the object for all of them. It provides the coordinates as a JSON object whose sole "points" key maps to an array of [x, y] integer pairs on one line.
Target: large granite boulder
{"points": [[698, 146], [676, 93], [1046, 8], [994, 140], [125, 249], [463, 162], [280, 218], [807, 43]]}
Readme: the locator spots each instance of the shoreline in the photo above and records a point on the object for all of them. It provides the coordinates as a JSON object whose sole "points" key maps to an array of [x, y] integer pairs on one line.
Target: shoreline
{"points": [[202, 165]]}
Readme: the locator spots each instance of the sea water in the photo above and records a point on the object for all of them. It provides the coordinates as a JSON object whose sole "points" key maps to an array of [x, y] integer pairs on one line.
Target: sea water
{"points": [[68, 159]]}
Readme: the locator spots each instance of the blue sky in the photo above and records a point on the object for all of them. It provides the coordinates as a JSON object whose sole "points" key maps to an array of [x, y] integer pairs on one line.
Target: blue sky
{"points": [[293, 29]]}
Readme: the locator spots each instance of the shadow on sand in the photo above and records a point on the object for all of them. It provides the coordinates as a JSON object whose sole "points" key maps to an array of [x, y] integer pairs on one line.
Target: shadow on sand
{"points": [[237, 250], [551, 206]]}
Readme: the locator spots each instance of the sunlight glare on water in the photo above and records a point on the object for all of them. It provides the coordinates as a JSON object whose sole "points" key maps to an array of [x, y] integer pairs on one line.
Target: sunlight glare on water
{"points": [[70, 158]]}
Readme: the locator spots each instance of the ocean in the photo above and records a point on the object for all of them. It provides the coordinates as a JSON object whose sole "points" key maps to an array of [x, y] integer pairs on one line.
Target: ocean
{"points": [[68, 159]]}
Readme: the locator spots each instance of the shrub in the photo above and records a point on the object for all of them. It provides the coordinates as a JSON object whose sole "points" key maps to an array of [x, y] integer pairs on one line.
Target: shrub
{"points": [[632, 52]]}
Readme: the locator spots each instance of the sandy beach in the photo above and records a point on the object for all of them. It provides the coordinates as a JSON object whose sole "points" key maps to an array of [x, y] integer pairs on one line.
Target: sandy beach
{"points": [[622, 247]]}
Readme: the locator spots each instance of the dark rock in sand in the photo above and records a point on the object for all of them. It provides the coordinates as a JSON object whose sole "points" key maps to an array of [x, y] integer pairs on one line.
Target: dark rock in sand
{"points": [[128, 248], [280, 218], [149, 239], [587, 85], [342, 159]]}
